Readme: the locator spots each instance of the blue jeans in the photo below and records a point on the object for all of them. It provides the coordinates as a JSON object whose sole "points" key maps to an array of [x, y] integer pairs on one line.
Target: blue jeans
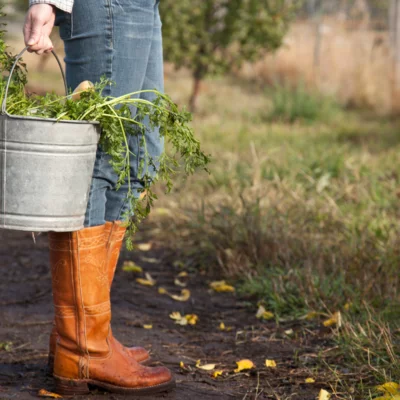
{"points": [[119, 39]]}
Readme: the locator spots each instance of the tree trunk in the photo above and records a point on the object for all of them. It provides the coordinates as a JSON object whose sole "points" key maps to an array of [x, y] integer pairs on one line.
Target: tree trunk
{"points": [[198, 76]]}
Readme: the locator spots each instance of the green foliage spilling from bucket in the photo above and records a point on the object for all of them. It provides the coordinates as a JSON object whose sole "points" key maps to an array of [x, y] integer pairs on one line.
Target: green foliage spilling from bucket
{"points": [[117, 123]]}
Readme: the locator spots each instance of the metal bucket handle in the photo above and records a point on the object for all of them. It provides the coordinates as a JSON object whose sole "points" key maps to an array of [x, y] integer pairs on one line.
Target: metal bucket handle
{"points": [[4, 104]]}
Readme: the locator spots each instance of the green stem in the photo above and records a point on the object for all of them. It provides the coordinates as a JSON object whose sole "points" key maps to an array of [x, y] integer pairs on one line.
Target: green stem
{"points": [[133, 121]]}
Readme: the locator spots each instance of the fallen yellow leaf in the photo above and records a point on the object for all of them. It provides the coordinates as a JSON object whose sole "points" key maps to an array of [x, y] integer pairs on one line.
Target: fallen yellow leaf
{"points": [[45, 393], [335, 320], [144, 246], [191, 319], [175, 315], [310, 380], [270, 363], [389, 388], [324, 395], [217, 373], [347, 306], [221, 286], [145, 282], [184, 296], [183, 274], [177, 282], [243, 365], [206, 367], [222, 327], [312, 315], [130, 266], [183, 320], [148, 326], [262, 313], [182, 365]]}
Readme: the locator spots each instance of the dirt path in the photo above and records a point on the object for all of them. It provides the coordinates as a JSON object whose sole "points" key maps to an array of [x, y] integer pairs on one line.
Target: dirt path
{"points": [[26, 315]]}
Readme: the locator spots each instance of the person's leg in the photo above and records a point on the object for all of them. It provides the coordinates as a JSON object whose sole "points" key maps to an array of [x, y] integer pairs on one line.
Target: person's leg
{"points": [[121, 40], [86, 353], [96, 38], [88, 35], [117, 207]]}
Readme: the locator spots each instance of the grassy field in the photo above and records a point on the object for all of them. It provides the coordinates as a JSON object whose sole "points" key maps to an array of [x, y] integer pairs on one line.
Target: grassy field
{"points": [[301, 212]]}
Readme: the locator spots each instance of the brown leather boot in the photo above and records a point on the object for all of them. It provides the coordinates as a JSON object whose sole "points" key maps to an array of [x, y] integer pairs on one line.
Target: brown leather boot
{"points": [[85, 352], [114, 233]]}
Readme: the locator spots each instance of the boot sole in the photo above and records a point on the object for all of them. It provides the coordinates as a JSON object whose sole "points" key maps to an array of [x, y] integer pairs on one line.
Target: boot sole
{"points": [[73, 387]]}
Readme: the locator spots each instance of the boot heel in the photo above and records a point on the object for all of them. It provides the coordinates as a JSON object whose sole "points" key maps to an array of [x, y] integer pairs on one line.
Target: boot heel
{"points": [[50, 365], [68, 387]]}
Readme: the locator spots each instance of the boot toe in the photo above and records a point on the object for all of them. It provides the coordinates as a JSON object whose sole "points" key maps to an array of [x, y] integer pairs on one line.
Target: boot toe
{"points": [[158, 376]]}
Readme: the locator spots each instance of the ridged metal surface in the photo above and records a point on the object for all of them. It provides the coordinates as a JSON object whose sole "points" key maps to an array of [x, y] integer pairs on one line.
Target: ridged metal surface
{"points": [[46, 169]]}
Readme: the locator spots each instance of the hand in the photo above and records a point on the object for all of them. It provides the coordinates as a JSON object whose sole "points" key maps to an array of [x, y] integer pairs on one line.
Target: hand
{"points": [[39, 23]]}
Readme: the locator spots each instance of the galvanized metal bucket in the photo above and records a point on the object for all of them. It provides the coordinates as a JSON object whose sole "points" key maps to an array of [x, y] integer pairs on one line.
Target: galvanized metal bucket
{"points": [[46, 168]]}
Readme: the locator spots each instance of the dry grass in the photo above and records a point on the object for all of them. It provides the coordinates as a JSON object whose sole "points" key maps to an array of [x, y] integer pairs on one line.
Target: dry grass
{"points": [[354, 64]]}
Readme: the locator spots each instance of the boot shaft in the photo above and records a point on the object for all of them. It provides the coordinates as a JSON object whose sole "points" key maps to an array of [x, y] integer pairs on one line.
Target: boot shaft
{"points": [[114, 233], [85, 352], [81, 290]]}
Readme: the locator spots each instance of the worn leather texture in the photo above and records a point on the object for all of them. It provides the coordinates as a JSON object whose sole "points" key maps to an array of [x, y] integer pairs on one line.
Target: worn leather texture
{"points": [[85, 349], [114, 233]]}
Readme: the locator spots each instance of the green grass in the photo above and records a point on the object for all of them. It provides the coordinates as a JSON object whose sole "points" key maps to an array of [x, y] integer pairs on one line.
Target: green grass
{"points": [[301, 211], [291, 104]]}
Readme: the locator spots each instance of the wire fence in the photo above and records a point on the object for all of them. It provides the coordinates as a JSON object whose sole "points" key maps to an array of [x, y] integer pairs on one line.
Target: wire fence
{"points": [[349, 49], [375, 10]]}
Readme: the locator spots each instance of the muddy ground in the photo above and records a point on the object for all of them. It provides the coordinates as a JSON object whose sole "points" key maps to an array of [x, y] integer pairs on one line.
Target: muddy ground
{"points": [[26, 317]]}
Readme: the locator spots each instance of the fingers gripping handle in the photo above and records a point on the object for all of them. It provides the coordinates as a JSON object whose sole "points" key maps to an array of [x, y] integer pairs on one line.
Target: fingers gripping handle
{"points": [[4, 104]]}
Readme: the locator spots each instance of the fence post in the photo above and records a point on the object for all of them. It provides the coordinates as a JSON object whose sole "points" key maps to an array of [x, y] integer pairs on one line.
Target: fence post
{"points": [[317, 15], [394, 25]]}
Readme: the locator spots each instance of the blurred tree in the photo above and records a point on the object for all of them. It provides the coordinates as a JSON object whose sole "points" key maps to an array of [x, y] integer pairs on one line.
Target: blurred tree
{"points": [[21, 5], [215, 36]]}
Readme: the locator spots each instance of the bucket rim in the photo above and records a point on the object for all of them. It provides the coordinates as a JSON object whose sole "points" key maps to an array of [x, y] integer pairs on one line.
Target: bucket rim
{"points": [[95, 123]]}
